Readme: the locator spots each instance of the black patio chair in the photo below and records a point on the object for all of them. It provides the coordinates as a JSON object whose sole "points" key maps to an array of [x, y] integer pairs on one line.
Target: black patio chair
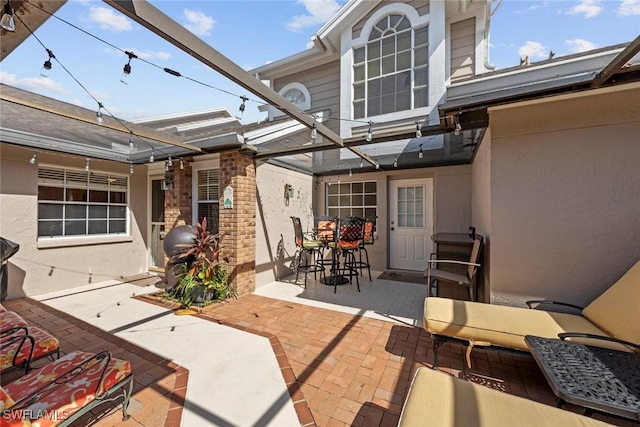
{"points": [[306, 247]]}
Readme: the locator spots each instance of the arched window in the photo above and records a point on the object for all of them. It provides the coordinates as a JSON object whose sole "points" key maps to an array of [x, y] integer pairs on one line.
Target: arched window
{"points": [[390, 72], [298, 94]]}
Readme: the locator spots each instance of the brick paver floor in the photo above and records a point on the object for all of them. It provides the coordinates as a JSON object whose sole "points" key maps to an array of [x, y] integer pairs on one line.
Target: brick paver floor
{"points": [[355, 371], [341, 369]]}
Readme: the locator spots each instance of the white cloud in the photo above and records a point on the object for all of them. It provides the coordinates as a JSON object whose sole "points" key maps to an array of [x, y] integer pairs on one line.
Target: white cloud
{"points": [[100, 96], [33, 84], [198, 23], [318, 12], [533, 50], [579, 45], [629, 7], [107, 19], [588, 8]]}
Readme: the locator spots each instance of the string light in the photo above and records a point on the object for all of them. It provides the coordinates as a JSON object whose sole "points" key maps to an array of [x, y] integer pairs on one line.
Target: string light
{"points": [[395, 162], [152, 156], [377, 165], [181, 164], [127, 67], [130, 140], [350, 173], [361, 162], [418, 130], [6, 22], [314, 132], [420, 154], [86, 166], [34, 158], [370, 132], [166, 166], [47, 64], [130, 167], [170, 162], [242, 106], [99, 117], [457, 128]]}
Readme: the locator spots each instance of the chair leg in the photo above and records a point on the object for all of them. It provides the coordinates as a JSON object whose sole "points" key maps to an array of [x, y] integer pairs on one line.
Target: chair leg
{"points": [[436, 344], [127, 398], [367, 264], [297, 263]]}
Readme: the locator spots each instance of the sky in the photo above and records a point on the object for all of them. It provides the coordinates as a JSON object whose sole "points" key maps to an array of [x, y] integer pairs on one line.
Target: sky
{"points": [[89, 59]]}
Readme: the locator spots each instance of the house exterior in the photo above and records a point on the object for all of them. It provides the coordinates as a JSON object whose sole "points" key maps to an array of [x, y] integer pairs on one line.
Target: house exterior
{"points": [[549, 164], [540, 159]]}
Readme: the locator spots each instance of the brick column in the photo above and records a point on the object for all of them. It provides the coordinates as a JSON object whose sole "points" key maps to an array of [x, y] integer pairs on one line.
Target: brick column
{"points": [[177, 202], [238, 225]]}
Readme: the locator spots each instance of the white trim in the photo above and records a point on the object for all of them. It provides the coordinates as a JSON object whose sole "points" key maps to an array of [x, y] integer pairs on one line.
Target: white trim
{"points": [[412, 15], [197, 166], [304, 106]]}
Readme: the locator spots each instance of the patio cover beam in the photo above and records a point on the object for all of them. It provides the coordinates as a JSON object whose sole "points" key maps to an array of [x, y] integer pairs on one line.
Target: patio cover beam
{"points": [[618, 62], [154, 20]]}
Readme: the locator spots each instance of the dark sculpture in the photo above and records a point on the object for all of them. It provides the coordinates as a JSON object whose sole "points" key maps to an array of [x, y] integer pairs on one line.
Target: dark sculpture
{"points": [[177, 241]]}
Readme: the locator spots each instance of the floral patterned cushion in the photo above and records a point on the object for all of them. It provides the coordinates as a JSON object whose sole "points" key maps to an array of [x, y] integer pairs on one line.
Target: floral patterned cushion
{"points": [[9, 320], [45, 345], [6, 401], [59, 401]]}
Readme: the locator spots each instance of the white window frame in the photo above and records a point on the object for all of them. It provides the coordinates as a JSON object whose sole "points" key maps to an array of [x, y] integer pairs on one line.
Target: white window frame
{"points": [[304, 106], [364, 206], [348, 44], [198, 167], [83, 239]]}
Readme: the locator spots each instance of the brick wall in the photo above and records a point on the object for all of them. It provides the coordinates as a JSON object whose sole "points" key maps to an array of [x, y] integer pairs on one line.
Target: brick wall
{"points": [[177, 202], [238, 225]]}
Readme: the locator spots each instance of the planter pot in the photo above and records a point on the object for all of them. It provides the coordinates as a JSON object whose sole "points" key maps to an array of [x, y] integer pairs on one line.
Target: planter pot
{"points": [[200, 295]]}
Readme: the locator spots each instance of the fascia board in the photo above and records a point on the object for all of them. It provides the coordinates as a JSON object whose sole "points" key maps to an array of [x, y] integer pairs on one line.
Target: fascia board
{"points": [[180, 115], [300, 61], [330, 32]]}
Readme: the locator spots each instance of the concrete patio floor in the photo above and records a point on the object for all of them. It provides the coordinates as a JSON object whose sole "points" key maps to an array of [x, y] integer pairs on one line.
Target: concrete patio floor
{"points": [[283, 356]]}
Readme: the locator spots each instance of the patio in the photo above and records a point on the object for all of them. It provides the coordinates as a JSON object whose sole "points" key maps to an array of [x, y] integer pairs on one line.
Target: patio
{"points": [[343, 359]]}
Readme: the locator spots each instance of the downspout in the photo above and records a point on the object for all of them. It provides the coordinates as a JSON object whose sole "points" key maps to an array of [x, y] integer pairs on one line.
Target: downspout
{"points": [[487, 26]]}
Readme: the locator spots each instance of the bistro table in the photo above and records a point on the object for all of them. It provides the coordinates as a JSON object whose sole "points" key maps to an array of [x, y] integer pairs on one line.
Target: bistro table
{"points": [[592, 377]]}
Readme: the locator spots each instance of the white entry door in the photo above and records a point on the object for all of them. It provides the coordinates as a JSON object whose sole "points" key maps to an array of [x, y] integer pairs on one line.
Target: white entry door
{"points": [[410, 223]]}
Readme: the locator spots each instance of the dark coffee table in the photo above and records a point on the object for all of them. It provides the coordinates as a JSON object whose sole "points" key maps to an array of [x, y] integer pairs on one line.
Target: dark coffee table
{"points": [[592, 377]]}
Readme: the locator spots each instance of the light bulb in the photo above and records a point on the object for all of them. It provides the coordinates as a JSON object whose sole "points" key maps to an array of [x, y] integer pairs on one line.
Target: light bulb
{"points": [[166, 166], [130, 167], [99, 117], [6, 21], [125, 73], [457, 129], [170, 162], [181, 164], [152, 157], [34, 158], [418, 130], [45, 68], [377, 165], [370, 132], [130, 140], [86, 166], [395, 162], [314, 133], [350, 173], [361, 162], [420, 154]]}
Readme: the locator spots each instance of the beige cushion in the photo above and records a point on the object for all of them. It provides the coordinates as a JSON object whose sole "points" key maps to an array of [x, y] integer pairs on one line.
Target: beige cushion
{"points": [[438, 399], [502, 325], [617, 310]]}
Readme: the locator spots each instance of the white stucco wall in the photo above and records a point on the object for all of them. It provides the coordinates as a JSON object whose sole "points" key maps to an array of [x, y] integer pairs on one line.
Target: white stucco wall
{"points": [[481, 206], [564, 195], [35, 270], [275, 244]]}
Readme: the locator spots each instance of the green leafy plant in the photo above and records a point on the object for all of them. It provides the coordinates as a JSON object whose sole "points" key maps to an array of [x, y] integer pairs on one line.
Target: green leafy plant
{"points": [[201, 273]]}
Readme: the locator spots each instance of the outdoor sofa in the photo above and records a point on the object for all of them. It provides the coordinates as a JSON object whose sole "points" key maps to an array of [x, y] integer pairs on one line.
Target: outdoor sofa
{"points": [[439, 399], [614, 316]]}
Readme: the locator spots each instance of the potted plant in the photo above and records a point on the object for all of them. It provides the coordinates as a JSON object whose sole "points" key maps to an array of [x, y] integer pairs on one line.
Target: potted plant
{"points": [[202, 277]]}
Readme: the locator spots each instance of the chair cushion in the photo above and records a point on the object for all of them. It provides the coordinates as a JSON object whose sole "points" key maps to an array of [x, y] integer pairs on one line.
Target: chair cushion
{"points": [[67, 398], [617, 310], [9, 320], [6, 401], [503, 325], [439, 399], [45, 344]]}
